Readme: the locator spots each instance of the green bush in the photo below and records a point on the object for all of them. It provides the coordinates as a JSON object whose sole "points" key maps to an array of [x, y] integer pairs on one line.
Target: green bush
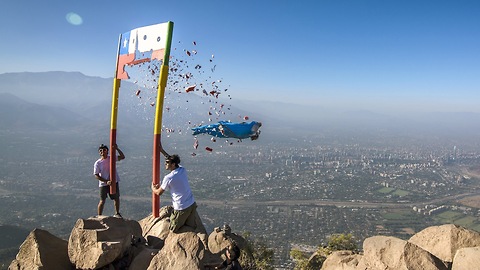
{"points": [[256, 254], [335, 242]]}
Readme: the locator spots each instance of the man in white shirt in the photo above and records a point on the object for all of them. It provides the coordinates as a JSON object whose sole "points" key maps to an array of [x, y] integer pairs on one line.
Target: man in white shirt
{"points": [[184, 205], [101, 171]]}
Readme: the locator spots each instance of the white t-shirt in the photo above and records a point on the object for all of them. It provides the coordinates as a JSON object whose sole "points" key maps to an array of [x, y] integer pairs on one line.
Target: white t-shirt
{"points": [[177, 183], [102, 167]]}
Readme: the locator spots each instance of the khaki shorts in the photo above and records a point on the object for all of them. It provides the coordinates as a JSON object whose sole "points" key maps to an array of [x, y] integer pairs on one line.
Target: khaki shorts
{"points": [[183, 217]]}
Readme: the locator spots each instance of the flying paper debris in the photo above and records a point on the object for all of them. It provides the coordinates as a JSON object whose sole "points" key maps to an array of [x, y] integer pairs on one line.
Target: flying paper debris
{"points": [[195, 144], [190, 88]]}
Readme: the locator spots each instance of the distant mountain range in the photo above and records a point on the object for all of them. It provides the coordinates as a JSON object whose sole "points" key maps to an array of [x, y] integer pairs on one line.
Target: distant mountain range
{"points": [[56, 100], [17, 113], [71, 90], [53, 100]]}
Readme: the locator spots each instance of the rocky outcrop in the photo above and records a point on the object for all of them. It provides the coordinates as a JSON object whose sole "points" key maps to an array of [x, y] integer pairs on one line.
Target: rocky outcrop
{"points": [[99, 241], [157, 227], [181, 251], [342, 260], [467, 259], [384, 252], [444, 241], [436, 248], [114, 243], [221, 238], [42, 250]]}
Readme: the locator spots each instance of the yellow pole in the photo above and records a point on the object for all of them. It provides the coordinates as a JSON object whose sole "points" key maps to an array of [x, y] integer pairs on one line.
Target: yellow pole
{"points": [[113, 127], [157, 130], [113, 136]]}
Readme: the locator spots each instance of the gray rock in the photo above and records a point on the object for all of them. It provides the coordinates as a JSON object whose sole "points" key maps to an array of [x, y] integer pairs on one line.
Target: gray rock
{"points": [[384, 252], [444, 241], [142, 259], [181, 251], [342, 260], [97, 242], [467, 259], [42, 250]]}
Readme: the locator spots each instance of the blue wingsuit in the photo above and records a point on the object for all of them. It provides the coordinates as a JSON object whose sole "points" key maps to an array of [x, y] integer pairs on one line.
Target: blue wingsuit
{"points": [[225, 129]]}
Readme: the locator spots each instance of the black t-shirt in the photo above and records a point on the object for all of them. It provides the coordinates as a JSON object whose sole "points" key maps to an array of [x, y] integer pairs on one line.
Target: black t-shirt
{"points": [[232, 265]]}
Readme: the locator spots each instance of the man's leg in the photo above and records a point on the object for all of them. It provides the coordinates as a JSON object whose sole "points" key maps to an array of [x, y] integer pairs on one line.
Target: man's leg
{"points": [[194, 221], [198, 223], [116, 201], [101, 203], [190, 221], [179, 217]]}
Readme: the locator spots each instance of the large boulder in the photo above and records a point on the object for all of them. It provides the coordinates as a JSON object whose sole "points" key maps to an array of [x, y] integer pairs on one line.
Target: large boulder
{"points": [[467, 259], [142, 259], [99, 241], [221, 238], [444, 241], [42, 250], [187, 249], [316, 260], [342, 260], [385, 252], [183, 250], [157, 227]]}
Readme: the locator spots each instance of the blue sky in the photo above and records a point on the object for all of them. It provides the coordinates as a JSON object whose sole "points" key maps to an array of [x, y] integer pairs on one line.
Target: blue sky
{"points": [[372, 55]]}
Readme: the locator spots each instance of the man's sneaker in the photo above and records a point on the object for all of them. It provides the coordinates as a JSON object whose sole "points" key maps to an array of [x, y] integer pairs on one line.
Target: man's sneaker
{"points": [[117, 215]]}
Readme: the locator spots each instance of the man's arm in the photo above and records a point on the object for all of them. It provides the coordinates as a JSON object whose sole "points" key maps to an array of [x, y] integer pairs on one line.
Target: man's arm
{"points": [[120, 153], [165, 154], [157, 189], [99, 178]]}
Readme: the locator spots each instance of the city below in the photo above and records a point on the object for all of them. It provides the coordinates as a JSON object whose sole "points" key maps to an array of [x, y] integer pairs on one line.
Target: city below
{"points": [[291, 193]]}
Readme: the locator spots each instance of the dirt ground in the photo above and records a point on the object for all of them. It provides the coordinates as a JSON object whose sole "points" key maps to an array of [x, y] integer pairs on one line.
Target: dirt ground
{"points": [[408, 231], [472, 201], [472, 171]]}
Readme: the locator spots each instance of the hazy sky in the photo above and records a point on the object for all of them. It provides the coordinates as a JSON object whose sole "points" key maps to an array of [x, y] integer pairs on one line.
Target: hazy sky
{"points": [[375, 55]]}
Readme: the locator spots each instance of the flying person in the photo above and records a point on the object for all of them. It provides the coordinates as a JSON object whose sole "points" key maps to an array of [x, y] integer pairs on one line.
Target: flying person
{"points": [[224, 129]]}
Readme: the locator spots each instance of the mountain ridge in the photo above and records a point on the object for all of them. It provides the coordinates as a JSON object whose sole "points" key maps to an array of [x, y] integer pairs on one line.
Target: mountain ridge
{"points": [[90, 97]]}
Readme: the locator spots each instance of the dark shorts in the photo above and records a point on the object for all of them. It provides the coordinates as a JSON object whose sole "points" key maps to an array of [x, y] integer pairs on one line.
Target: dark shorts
{"points": [[106, 190]]}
